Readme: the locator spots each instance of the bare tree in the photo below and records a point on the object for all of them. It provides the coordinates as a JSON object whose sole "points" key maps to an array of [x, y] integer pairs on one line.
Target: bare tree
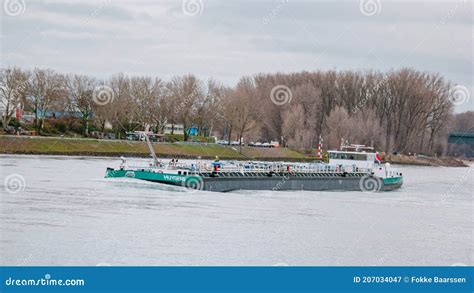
{"points": [[123, 107], [229, 113], [80, 92], [404, 110], [147, 94], [13, 88], [210, 112], [44, 86], [244, 102], [184, 94]]}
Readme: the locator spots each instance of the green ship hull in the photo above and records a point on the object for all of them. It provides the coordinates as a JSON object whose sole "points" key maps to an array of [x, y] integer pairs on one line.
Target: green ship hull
{"points": [[223, 182]]}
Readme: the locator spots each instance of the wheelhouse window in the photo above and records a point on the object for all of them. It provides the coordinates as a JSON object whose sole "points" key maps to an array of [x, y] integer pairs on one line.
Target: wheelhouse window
{"points": [[345, 156]]}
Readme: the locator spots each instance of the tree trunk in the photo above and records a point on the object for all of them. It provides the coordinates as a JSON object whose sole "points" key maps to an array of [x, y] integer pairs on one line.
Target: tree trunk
{"points": [[86, 127], [422, 141], [41, 126], [37, 128], [185, 133], [5, 118], [388, 134], [230, 135]]}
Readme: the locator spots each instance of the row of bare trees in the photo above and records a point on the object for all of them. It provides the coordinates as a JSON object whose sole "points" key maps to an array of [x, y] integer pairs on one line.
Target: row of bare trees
{"points": [[404, 110]]}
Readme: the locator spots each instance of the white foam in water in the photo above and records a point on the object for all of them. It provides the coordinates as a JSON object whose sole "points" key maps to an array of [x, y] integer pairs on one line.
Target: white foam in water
{"points": [[67, 214]]}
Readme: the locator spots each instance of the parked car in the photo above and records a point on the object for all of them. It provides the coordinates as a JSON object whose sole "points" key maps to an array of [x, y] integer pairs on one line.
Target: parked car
{"points": [[10, 130]]}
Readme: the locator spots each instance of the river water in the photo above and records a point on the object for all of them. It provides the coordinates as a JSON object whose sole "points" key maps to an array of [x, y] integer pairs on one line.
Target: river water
{"points": [[61, 211]]}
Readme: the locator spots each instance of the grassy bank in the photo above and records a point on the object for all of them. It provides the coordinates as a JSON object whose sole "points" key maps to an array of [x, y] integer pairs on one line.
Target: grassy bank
{"points": [[115, 148]]}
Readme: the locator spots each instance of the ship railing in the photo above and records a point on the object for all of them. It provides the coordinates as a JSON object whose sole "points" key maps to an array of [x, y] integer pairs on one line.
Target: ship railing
{"points": [[277, 168], [291, 169], [145, 167]]}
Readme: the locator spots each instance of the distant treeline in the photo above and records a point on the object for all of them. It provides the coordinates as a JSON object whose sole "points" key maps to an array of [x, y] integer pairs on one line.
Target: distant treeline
{"points": [[398, 111]]}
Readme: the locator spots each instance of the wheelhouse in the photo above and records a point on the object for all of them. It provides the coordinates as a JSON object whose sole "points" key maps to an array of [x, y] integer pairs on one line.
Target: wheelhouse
{"points": [[359, 159]]}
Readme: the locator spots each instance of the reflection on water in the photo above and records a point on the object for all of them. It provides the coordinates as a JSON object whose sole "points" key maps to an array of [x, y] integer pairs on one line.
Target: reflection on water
{"points": [[66, 213]]}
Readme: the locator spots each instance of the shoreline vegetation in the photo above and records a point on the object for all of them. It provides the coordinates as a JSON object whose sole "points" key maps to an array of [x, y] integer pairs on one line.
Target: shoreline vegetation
{"points": [[29, 145], [398, 111]]}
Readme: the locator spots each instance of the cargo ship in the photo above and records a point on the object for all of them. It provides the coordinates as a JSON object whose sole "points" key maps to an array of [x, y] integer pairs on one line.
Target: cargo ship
{"points": [[352, 168]]}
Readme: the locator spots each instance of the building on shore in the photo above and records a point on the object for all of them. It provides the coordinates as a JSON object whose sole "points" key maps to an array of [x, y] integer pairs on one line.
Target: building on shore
{"points": [[173, 129]]}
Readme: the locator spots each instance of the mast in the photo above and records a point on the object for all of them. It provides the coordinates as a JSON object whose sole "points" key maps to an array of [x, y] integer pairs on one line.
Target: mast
{"points": [[152, 150], [320, 145]]}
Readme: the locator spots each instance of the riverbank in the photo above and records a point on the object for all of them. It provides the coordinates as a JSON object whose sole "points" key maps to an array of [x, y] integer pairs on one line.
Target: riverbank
{"points": [[425, 161], [115, 148], [35, 145]]}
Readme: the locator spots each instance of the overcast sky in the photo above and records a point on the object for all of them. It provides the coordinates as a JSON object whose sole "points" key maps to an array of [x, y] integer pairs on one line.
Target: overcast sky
{"points": [[229, 39]]}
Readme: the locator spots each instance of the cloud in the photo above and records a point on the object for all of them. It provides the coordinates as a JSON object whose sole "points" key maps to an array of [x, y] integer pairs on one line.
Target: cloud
{"points": [[229, 39]]}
